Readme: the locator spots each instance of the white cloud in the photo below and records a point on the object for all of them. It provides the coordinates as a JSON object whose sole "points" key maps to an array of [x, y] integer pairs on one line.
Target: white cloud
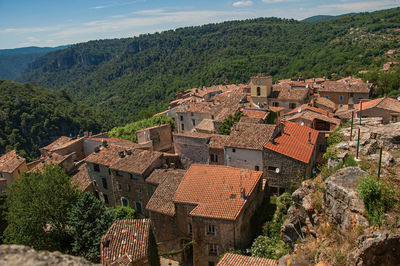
{"points": [[98, 7], [30, 29], [242, 3], [273, 1], [359, 6]]}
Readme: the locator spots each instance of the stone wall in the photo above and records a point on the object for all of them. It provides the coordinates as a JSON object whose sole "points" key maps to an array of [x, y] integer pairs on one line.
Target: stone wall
{"points": [[386, 115], [243, 158], [97, 177], [191, 150]]}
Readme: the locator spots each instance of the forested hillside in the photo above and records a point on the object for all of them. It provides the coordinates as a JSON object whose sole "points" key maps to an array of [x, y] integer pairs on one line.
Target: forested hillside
{"points": [[14, 61], [32, 116], [129, 78]]}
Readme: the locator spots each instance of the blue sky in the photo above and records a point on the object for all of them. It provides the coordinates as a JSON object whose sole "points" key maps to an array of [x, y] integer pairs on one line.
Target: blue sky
{"points": [[55, 22]]}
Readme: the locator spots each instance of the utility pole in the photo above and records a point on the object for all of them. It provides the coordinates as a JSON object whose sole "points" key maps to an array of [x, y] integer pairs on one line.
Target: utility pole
{"points": [[358, 141], [380, 162], [351, 130]]}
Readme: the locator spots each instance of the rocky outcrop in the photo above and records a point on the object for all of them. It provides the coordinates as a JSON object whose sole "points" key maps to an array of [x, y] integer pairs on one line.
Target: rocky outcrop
{"points": [[20, 256], [378, 248], [344, 207]]}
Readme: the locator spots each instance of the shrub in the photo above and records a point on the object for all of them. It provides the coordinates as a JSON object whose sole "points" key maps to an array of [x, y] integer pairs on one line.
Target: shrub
{"points": [[335, 138], [377, 197]]}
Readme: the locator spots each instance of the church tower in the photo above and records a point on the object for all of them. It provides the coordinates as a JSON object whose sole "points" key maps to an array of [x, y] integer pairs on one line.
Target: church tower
{"points": [[261, 87]]}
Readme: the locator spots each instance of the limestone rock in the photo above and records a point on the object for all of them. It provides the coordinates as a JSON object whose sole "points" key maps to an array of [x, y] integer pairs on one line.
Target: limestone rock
{"points": [[387, 158], [23, 256], [343, 204]]}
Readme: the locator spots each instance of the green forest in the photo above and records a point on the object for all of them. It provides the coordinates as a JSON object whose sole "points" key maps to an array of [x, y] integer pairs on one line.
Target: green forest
{"points": [[129, 77], [32, 116]]}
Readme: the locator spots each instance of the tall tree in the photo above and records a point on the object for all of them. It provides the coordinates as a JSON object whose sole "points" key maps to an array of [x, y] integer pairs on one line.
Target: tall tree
{"points": [[37, 203], [88, 221]]}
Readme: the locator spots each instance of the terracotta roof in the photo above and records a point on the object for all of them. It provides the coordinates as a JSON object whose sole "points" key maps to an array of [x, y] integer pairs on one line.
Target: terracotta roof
{"points": [[276, 109], [325, 102], [136, 161], [382, 103], [344, 112], [305, 107], [218, 141], [230, 259], [294, 142], [119, 143], [10, 161], [159, 175], [252, 120], [81, 178], [206, 125], [343, 86], [284, 92], [255, 113], [124, 260], [202, 107], [53, 159], [57, 143], [161, 200], [216, 190], [250, 136], [190, 134], [126, 237], [105, 156], [311, 116]]}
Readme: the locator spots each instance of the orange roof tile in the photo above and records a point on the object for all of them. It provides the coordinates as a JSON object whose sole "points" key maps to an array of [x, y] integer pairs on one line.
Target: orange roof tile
{"points": [[58, 142], [218, 141], [294, 142], [310, 108], [136, 161], [230, 259], [216, 190], [126, 237], [105, 156], [382, 103], [255, 113], [311, 116], [344, 86], [81, 178], [325, 102], [10, 161], [284, 92], [250, 136]]}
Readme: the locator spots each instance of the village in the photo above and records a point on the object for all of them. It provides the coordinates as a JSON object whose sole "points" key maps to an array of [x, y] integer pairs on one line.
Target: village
{"points": [[197, 190]]}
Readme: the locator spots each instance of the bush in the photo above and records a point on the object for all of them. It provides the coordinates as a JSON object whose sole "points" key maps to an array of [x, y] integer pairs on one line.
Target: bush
{"points": [[377, 197], [335, 138]]}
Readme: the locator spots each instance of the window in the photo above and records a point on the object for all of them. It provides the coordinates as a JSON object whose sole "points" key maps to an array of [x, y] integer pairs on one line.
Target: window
{"points": [[272, 168], [212, 117], [128, 188], [105, 198], [182, 126], [124, 202], [212, 157], [210, 229], [258, 91], [149, 190], [394, 118], [257, 168], [340, 105], [193, 122], [190, 229], [212, 249], [138, 207], [119, 187], [96, 168], [233, 150], [133, 176], [341, 98], [292, 105], [326, 96], [351, 94], [104, 183], [322, 148], [191, 113], [181, 117], [119, 173], [275, 104]]}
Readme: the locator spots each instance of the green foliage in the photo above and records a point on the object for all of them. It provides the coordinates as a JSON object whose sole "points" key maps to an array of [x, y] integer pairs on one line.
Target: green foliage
{"points": [[31, 117], [125, 76], [269, 244], [387, 82], [347, 162], [226, 126], [87, 222], [330, 153], [378, 198], [335, 138], [3, 217], [271, 118], [123, 213], [128, 131], [37, 207]]}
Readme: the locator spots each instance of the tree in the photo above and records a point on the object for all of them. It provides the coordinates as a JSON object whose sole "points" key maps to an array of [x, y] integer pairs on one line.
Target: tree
{"points": [[124, 213], [37, 203], [88, 221]]}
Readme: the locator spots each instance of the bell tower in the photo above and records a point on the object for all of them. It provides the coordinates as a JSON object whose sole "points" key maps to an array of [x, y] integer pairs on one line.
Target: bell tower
{"points": [[261, 87]]}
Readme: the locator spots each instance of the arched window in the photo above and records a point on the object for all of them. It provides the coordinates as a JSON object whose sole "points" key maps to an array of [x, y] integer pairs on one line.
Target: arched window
{"points": [[258, 91]]}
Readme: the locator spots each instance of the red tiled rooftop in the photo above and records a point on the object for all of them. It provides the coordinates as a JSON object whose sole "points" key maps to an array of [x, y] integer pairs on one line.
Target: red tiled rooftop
{"points": [[136, 161], [325, 102], [255, 113], [230, 259], [10, 161], [57, 143], [126, 237], [105, 156], [311, 116], [216, 190], [310, 108], [343, 86], [382, 103], [294, 142], [250, 136], [81, 178]]}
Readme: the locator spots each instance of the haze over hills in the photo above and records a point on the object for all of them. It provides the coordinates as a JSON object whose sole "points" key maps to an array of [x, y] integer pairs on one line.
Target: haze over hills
{"points": [[14, 61], [129, 78], [318, 18]]}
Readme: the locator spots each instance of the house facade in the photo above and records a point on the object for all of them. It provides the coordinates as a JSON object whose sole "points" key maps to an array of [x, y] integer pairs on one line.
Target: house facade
{"points": [[11, 167]]}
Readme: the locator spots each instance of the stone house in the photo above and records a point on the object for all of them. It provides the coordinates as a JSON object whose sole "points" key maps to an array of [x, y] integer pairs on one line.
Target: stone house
{"points": [[158, 138], [289, 156], [284, 95], [129, 175], [345, 92], [82, 180], [206, 126], [66, 162], [387, 108], [64, 146], [163, 184], [313, 117], [192, 147], [128, 243], [230, 259], [213, 207], [260, 87], [216, 149], [244, 147], [324, 104], [11, 167]]}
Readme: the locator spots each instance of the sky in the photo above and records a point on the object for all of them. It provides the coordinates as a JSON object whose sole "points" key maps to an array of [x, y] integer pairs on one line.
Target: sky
{"points": [[58, 22]]}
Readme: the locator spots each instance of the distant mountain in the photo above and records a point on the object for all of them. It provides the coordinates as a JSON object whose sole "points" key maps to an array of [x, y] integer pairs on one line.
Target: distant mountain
{"points": [[132, 77], [14, 61], [32, 116], [318, 18]]}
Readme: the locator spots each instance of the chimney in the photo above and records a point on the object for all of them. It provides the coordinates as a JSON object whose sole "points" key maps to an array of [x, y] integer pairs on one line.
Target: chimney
{"points": [[309, 138], [243, 194], [282, 128]]}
